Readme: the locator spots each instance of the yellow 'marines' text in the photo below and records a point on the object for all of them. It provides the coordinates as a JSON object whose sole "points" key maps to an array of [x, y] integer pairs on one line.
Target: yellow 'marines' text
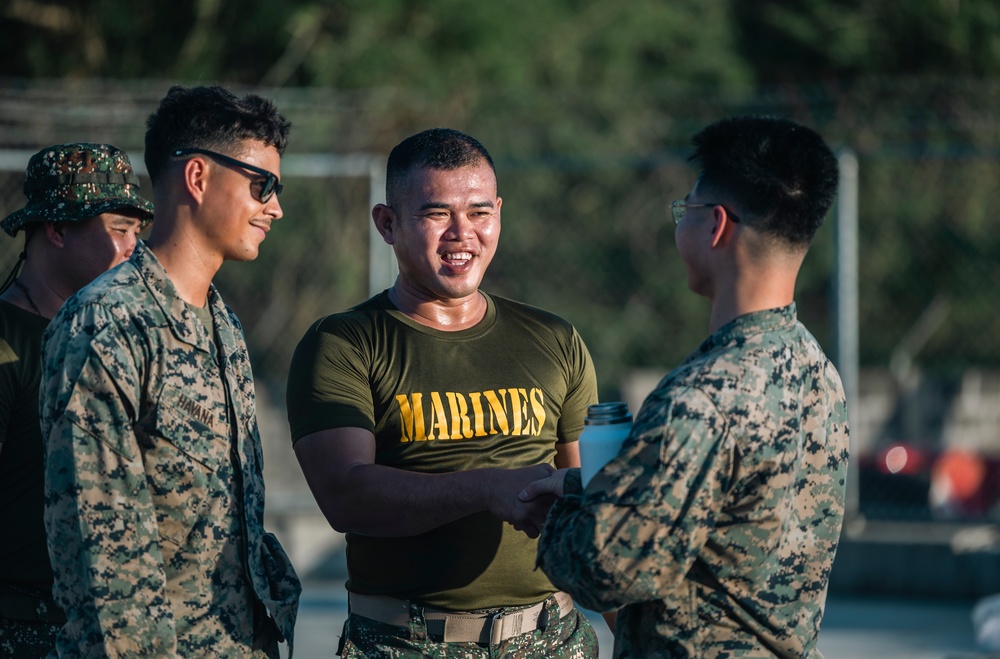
{"points": [[454, 415]]}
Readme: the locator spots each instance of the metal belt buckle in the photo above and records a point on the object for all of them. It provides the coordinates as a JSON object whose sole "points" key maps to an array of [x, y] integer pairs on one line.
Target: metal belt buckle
{"points": [[496, 630]]}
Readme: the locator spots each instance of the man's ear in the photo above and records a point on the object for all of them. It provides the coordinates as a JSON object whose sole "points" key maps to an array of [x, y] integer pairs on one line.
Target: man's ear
{"points": [[723, 227], [55, 233], [195, 175], [385, 221]]}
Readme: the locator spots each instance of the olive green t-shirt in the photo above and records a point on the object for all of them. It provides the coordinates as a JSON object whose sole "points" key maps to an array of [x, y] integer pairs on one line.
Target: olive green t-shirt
{"points": [[24, 558], [500, 394]]}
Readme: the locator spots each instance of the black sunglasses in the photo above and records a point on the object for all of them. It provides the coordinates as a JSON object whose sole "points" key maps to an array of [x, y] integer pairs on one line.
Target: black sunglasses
{"points": [[268, 188], [678, 208]]}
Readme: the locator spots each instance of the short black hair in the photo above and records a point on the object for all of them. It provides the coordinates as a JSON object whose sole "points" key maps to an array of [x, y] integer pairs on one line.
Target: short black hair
{"points": [[780, 173], [209, 118], [435, 148]]}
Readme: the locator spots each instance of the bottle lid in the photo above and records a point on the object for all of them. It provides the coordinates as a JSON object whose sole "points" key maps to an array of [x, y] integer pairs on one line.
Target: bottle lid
{"points": [[603, 414]]}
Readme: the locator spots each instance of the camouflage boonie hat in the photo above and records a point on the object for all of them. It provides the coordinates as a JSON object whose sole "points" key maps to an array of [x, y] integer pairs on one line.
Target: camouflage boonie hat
{"points": [[74, 182]]}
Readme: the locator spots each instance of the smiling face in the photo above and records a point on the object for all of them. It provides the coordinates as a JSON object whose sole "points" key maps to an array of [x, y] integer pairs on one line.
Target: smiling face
{"points": [[445, 231], [238, 221]]}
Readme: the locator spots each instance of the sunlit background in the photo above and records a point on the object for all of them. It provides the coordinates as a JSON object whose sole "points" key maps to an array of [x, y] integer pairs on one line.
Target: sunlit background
{"points": [[588, 108]]}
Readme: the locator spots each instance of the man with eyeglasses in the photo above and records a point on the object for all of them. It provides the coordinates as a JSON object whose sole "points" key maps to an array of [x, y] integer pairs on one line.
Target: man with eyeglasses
{"points": [[714, 529], [154, 486]]}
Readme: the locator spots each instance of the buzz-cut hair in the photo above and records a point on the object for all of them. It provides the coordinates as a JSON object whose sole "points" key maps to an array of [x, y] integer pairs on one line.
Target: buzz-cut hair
{"points": [[210, 118], [436, 148], [782, 175]]}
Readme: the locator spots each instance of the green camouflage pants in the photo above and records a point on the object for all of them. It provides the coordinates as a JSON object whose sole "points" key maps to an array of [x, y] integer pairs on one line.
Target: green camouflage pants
{"points": [[570, 637], [21, 639]]}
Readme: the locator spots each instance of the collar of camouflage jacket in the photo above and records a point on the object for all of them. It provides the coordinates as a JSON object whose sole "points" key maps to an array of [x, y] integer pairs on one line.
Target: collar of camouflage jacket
{"points": [[742, 327], [183, 323]]}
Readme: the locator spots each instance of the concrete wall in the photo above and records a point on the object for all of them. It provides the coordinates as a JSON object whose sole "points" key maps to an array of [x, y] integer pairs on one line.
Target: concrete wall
{"points": [[290, 511]]}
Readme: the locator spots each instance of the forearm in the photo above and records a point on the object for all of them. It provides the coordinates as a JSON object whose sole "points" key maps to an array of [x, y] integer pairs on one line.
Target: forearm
{"points": [[634, 534], [384, 501], [573, 553]]}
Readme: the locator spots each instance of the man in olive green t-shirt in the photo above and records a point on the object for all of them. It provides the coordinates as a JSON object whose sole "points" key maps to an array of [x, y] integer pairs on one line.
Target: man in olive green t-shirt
{"points": [[418, 416]]}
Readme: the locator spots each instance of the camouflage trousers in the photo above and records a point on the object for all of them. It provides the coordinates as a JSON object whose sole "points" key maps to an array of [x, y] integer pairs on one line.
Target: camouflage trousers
{"points": [[569, 637], [22, 639]]}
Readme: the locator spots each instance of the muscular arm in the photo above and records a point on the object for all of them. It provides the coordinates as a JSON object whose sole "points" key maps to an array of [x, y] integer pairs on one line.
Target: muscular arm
{"points": [[567, 455], [10, 379], [356, 495]]}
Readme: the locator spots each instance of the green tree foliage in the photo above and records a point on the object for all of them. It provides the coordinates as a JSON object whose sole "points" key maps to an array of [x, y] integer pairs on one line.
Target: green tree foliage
{"points": [[440, 46], [588, 106], [449, 45], [795, 40]]}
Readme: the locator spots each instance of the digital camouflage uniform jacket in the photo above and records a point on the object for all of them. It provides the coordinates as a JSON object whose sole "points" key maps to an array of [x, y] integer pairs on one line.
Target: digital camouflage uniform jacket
{"points": [[154, 485], [714, 529]]}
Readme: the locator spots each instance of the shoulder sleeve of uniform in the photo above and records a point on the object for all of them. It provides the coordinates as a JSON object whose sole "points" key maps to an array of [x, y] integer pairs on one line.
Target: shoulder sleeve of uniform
{"points": [[636, 529], [581, 389], [89, 374], [329, 383]]}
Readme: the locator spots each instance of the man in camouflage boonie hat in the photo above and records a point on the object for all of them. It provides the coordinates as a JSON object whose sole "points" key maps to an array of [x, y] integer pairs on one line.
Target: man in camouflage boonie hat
{"points": [[713, 531], [74, 182], [82, 217]]}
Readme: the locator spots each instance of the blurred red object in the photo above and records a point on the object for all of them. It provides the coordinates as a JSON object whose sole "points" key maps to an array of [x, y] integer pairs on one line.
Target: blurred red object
{"points": [[958, 484], [908, 482]]}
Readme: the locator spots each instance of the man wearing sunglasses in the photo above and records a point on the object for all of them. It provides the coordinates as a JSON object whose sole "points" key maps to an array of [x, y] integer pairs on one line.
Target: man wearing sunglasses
{"points": [[714, 529], [154, 488]]}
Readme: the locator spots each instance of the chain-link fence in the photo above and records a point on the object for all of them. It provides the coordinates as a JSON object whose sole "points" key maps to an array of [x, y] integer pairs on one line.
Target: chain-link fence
{"points": [[586, 182], [930, 335], [319, 266]]}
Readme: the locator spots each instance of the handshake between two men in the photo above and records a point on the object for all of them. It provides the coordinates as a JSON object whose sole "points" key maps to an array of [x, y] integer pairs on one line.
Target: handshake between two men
{"points": [[529, 493]]}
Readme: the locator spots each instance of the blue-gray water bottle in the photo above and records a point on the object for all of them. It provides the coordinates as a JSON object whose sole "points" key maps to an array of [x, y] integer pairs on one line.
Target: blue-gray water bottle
{"points": [[604, 430]]}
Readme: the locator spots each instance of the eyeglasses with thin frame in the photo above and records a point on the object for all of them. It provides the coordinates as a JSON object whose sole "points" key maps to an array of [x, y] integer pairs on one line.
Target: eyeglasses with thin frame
{"points": [[678, 208], [268, 188]]}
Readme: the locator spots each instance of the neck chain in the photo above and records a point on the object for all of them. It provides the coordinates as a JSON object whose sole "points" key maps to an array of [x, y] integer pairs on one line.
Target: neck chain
{"points": [[21, 287]]}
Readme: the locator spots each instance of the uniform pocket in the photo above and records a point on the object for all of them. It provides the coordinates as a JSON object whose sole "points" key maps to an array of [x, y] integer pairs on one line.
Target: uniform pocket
{"points": [[188, 462], [196, 428]]}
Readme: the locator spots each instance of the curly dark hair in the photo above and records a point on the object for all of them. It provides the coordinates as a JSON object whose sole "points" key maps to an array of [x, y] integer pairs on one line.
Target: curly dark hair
{"points": [[209, 118]]}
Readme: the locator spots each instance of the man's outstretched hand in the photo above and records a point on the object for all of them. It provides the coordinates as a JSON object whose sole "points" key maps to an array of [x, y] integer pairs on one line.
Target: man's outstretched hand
{"points": [[506, 486], [552, 485], [536, 499]]}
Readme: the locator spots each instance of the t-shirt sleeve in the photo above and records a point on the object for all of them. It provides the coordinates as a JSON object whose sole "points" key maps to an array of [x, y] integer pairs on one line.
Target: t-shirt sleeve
{"points": [[581, 391], [328, 381]]}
